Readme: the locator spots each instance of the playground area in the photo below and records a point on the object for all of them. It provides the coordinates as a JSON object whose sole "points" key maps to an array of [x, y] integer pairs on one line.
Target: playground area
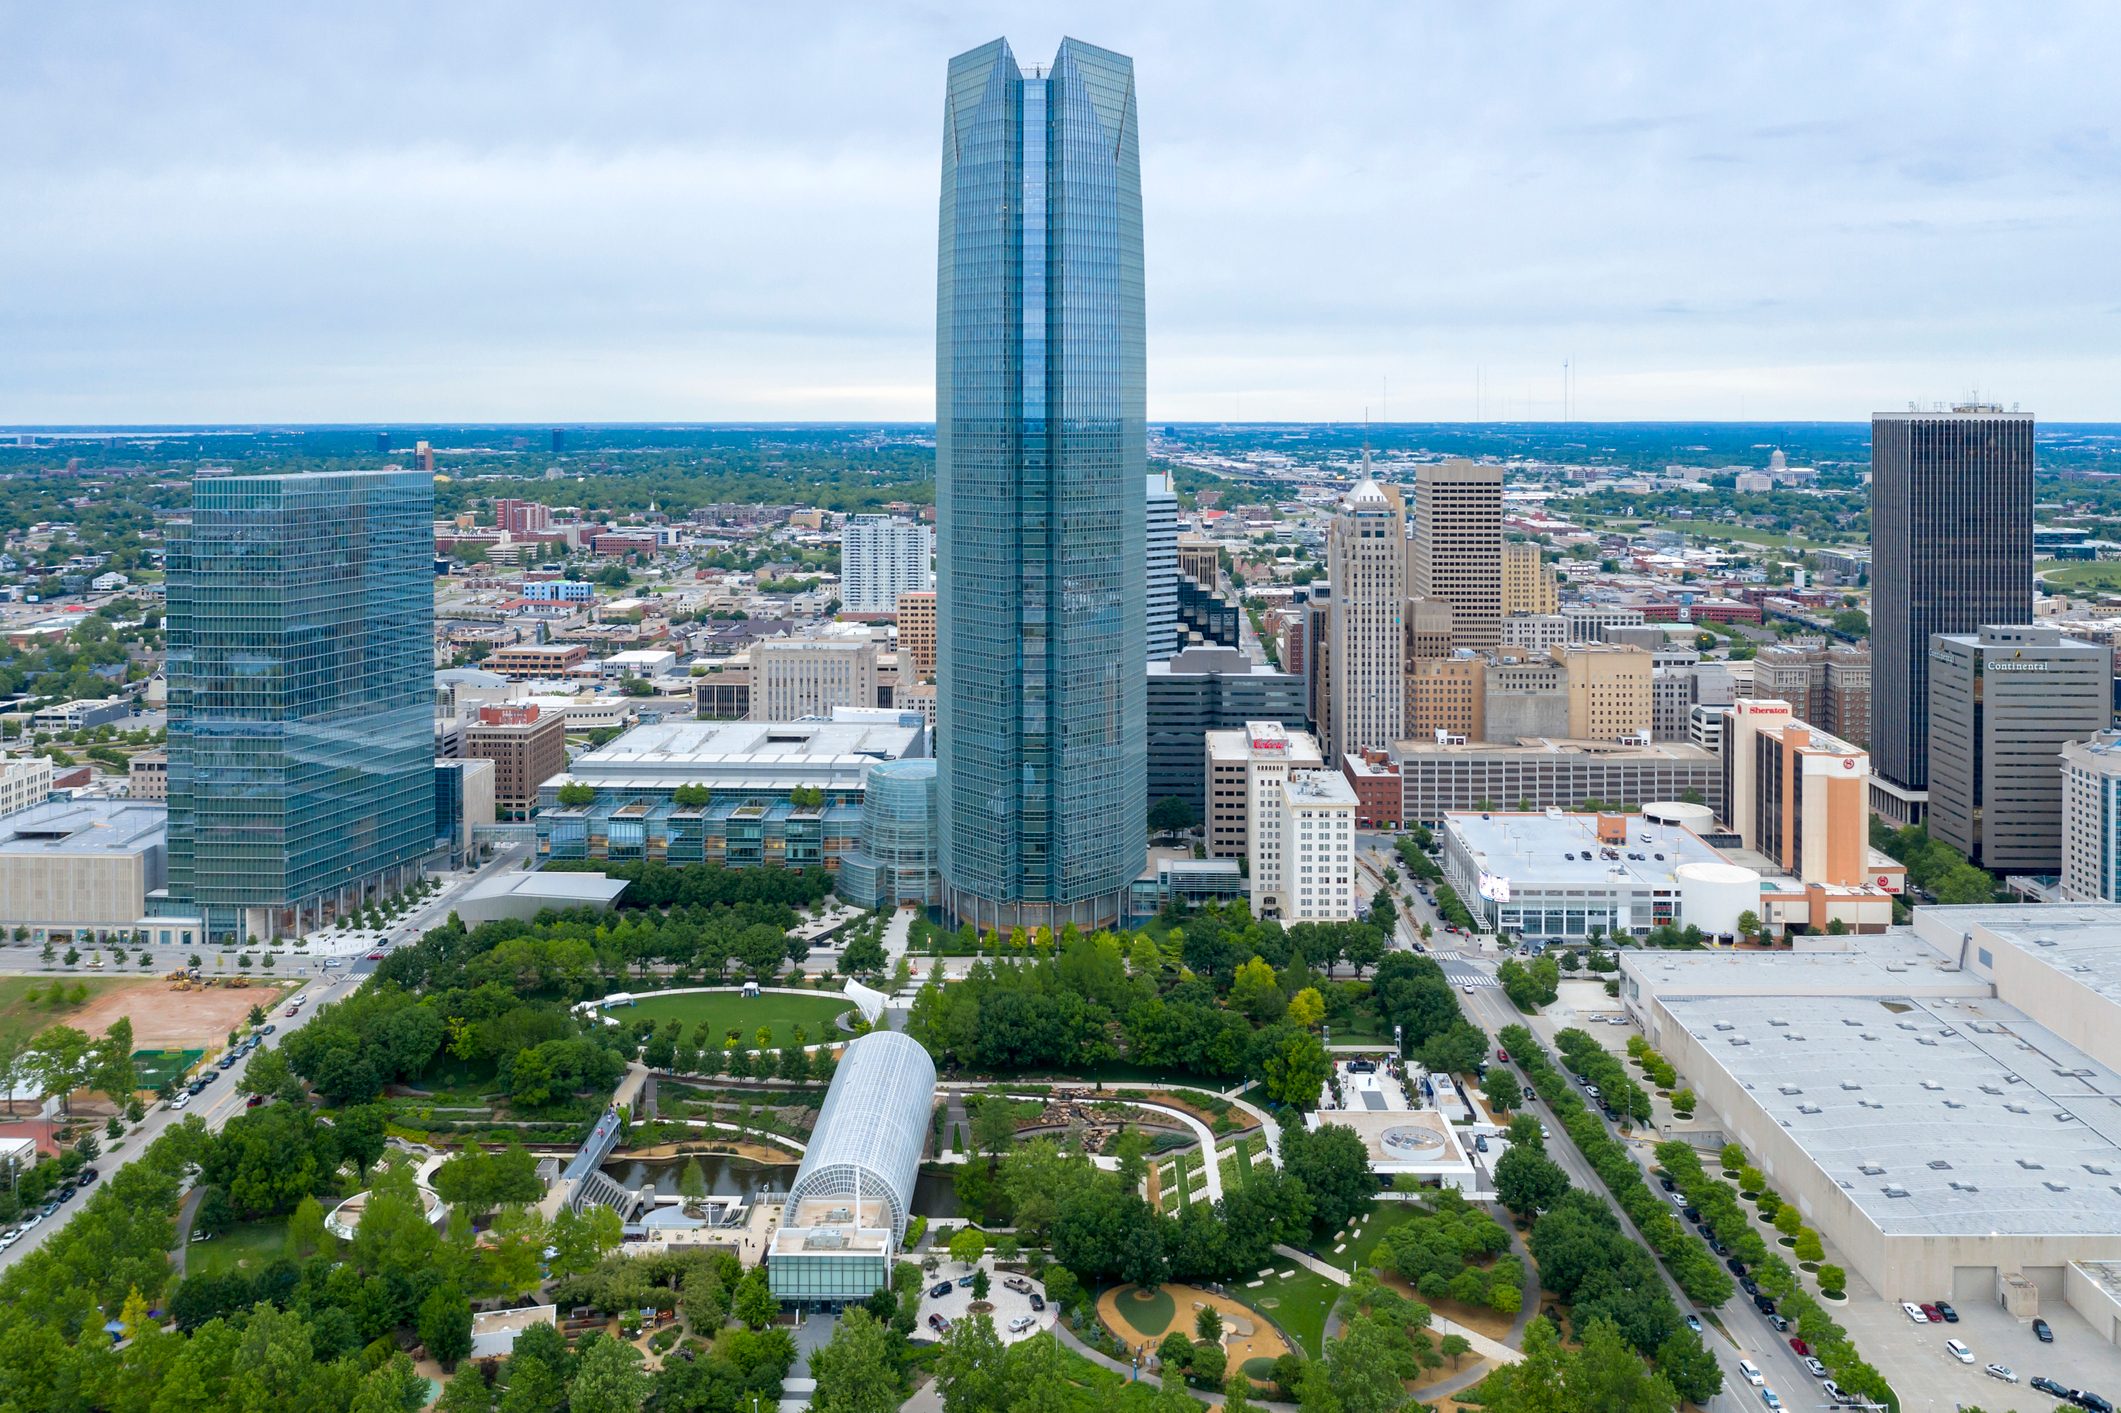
{"points": [[171, 1015], [1136, 1316]]}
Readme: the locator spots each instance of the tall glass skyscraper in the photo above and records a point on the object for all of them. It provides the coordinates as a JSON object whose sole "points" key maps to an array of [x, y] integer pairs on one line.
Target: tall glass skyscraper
{"points": [[301, 742], [1040, 464]]}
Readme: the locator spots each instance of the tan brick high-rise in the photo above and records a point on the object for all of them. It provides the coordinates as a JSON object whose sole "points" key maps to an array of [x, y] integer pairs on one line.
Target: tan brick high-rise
{"points": [[1455, 550]]}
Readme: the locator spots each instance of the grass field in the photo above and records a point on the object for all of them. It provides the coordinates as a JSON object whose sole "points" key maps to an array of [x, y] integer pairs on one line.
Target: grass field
{"points": [[724, 1011], [1374, 1225], [1298, 1302], [2081, 575], [246, 1247], [22, 1007]]}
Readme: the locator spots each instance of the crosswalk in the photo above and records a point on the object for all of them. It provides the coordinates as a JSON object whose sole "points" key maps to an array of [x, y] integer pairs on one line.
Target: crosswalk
{"points": [[1471, 979]]}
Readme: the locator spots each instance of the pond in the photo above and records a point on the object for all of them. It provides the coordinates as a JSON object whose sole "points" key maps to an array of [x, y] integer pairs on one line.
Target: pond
{"points": [[727, 1175]]}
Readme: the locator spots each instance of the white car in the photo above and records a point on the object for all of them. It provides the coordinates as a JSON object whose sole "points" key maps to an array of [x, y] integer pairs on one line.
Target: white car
{"points": [[1959, 1351], [1813, 1367], [2001, 1371], [1020, 1324], [1751, 1373], [1914, 1312], [183, 1098]]}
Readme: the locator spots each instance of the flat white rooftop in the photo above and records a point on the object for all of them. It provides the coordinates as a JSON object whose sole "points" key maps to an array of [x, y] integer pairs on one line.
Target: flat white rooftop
{"points": [[1937, 1115], [1562, 850], [2083, 941]]}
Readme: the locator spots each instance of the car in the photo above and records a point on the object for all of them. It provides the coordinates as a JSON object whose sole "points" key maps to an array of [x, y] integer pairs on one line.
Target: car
{"points": [[66, 1193], [1502, 1057], [1017, 1284], [1750, 1372], [181, 1100], [1767, 1396], [1914, 1312], [1782, 1326], [1719, 1248], [1831, 1391], [2001, 1371], [1813, 1367], [1528, 1094], [2092, 1402], [1951, 1316], [1958, 1350], [209, 1077], [1735, 1266], [9, 1239], [1038, 1302], [1664, 1180], [291, 1010], [1480, 1143], [1691, 1213], [226, 1060], [941, 1288], [1678, 1200], [199, 1236], [373, 957], [254, 1101], [964, 1282], [1020, 1324], [1798, 1347], [1693, 1322], [1765, 1304], [1932, 1314], [2042, 1332], [267, 1029], [2047, 1385], [31, 1220], [1749, 1285], [1467, 988], [1592, 1090], [86, 1176]]}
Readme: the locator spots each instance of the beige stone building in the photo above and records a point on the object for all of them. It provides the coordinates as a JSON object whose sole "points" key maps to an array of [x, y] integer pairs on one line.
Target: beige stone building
{"points": [[26, 781], [797, 677], [1366, 654], [1528, 585], [527, 746], [1454, 552], [147, 776], [1447, 696], [1428, 628], [1609, 691], [1237, 761], [916, 634]]}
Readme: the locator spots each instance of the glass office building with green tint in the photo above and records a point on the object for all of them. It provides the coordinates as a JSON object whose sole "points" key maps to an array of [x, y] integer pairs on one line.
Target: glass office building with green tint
{"points": [[896, 861], [1041, 599], [301, 750]]}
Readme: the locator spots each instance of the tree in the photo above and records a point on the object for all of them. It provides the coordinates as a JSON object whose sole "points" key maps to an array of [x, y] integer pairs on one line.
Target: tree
{"points": [[1528, 1182], [968, 1245], [1295, 1070], [1172, 815], [1454, 1347], [980, 1285], [445, 1325], [754, 1303], [1333, 1167], [1208, 1324], [1361, 1369], [1788, 1220], [574, 794], [1307, 1008], [1748, 924], [608, 1379], [1255, 993], [1690, 1368], [1833, 1280], [970, 1369], [468, 1392], [1963, 883], [856, 1371], [391, 1387], [305, 1229], [1810, 1249], [1606, 1374], [994, 1127]]}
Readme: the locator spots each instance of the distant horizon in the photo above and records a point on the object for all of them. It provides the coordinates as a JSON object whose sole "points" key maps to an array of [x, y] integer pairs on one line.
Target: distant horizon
{"points": [[746, 423]]}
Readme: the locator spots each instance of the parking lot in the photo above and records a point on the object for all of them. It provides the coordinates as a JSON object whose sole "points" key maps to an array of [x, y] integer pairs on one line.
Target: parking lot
{"points": [[1913, 1360], [1009, 1305]]}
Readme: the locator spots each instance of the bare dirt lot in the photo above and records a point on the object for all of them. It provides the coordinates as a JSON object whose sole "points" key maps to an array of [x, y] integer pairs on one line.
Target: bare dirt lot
{"points": [[165, 1018]]}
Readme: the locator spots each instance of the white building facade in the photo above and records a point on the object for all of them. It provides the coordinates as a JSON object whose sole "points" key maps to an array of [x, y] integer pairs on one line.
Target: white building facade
{"points": [[1300, 829], [2091, 819], [1366, 655], [882, 557]]}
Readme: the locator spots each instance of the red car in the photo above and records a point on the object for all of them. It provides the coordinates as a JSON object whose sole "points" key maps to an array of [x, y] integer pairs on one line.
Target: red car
{"points": [[1933, 1314], [291, 1010], [1502, 1057], [375, 956], [1799, 1347], [255, 1101]]}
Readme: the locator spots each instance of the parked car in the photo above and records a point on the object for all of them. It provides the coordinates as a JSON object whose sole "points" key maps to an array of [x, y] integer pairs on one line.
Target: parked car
{"points": [[941, 1288], [1951, 1316], [1020, 1324], [1529, 1094], [2001, 1371], [1749, 1285], [268, 1028], [2048, 1385], [1480, 1143], [86, 1176], [1913, 1312], [964, 1282], [1693, 1322], [1813, 1367], [2042, 1332], [1932, 1314], [1038, 1302], [1782, 1326], [1017, 1284], [182, 1099], [254, 1101], [1958, 1350], [1735, 1266], [1765, 1304], [291, 1010], [2092, 1402], [1664, 1180], [1799, 1348]]}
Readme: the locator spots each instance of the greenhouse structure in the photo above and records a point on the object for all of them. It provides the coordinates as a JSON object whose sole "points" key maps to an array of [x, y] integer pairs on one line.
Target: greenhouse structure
{"points": [[847, 1210]]}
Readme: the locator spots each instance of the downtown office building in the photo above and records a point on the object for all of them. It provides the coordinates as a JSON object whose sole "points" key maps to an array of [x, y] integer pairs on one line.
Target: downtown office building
{"points": [[1951, 552], [1040, 467], [301, 749]]}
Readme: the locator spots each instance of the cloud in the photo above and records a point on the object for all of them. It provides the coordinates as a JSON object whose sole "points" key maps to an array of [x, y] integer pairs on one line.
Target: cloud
{"points": [[546, 212]]}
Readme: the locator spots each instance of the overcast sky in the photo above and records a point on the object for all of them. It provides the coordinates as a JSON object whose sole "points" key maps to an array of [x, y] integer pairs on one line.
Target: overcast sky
{"points": [[382, 212]]}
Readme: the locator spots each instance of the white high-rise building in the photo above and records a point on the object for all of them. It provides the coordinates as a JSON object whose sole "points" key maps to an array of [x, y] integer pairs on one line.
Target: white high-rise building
{"points": [[882, 557], [1366, 654], [2091, 819], [1163, 567], [1299, 822]]}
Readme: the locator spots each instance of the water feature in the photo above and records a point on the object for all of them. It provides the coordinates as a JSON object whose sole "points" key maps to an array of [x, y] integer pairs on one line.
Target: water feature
{"points": [[727, 1175]]}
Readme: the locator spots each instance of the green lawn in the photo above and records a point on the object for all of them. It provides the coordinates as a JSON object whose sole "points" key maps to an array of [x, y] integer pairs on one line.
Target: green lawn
{"points": [[2080, 575], [724, 1011], [1379, 1220], [246, 1247], [22, 1007], [1298, 1303]]}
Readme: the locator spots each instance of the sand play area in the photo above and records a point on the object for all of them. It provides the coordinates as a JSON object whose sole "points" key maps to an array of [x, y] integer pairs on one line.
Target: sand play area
{"points": [[1137, 1317], [165, 1018]]}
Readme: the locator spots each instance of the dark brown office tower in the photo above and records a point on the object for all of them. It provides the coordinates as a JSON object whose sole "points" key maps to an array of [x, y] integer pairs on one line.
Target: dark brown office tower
{"points": [[1951, 552]]}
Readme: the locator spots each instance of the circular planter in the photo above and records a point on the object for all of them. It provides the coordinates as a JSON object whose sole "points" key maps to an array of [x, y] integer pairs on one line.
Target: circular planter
{"points": [[1834, 1297], [1789, 1241]]}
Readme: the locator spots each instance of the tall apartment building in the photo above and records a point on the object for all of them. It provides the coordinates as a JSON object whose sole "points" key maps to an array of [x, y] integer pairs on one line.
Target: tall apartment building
{"points": [[521, 517], [1160, 534], [1609, 691], [1951, 551], [301, 692], [1260, 750], [2003, 703], [527, 747], [1796, 794], [2091, 819], [1528, 584], [916, 635], [27, 780], [792, 678], [882, 557], [1303, 848], [1367, 654], [1447, 697], [1041, 457], [1454, 552], [1848, 693]]}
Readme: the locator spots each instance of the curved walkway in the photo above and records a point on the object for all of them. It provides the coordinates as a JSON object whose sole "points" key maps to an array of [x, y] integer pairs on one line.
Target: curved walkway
{"points": [[1072, 1341], [1201, 1131]]}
